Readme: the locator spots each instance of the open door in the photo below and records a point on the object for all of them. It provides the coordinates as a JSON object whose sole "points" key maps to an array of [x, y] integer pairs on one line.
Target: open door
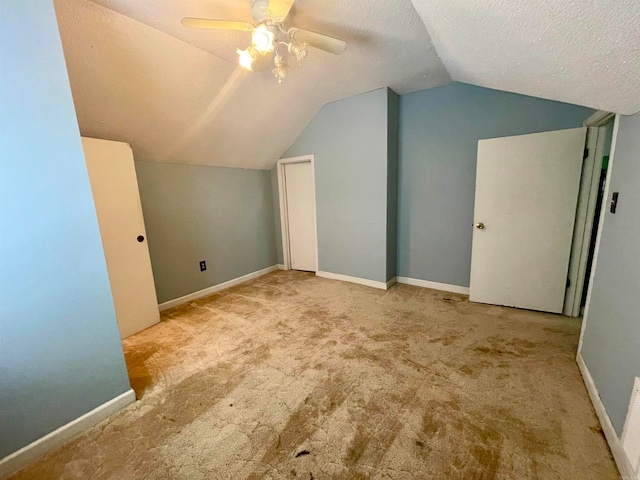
{"points": [[296, 187], [301, 216], [525, 206], [115, 192]]}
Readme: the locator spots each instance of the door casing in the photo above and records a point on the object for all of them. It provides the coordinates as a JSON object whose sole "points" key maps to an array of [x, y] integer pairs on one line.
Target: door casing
{"points": [[284, 217]]}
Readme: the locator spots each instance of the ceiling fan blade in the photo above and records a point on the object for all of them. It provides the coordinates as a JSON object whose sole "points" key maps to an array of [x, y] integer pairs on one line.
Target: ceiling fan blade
{"points": [[216, 24], [318, 40], [263, 62], [279, 9]]}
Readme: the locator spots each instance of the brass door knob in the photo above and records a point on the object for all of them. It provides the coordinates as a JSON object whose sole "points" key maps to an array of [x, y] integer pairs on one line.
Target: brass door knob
{"points": [[479, 225]]}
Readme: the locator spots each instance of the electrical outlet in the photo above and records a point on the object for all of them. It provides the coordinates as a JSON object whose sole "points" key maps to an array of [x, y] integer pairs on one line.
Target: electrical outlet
{"points": [[203, 265]]}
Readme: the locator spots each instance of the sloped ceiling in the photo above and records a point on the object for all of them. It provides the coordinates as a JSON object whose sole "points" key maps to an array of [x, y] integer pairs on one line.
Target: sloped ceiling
{"points": [[177, 95], [585, 52]]}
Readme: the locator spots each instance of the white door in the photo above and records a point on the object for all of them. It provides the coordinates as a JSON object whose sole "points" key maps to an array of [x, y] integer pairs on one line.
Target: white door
{"points": [[525, 207], [301, 215], [115, 193]]}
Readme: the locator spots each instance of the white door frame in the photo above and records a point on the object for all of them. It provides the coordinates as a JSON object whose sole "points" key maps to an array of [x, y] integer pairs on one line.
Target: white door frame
{"points": [[284, 215], [586, 203], [603, 211]]}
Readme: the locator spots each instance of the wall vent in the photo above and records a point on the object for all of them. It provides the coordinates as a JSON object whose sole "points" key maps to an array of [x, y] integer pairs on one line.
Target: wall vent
{"points": [[631, 433]]}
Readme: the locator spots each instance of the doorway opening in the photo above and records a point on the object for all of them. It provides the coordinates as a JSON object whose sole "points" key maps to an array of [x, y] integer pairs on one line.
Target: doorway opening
{"points": [[296, 188], [589, 211], [596, 218]]}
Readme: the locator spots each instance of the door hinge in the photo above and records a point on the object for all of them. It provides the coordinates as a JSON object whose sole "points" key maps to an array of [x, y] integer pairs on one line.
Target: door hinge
{"points": [[585, 154], [568, 282]]}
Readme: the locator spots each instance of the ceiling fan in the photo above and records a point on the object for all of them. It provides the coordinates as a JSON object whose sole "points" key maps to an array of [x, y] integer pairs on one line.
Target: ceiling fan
{"points": [[270, 40]]}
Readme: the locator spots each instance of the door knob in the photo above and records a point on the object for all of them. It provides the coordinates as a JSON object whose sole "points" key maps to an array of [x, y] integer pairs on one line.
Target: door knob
{"points": [[479, 225], [140, 238]]}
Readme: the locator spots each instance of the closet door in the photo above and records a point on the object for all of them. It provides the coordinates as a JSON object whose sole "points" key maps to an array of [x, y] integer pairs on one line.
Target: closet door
{"points": [[115, 193], [301, 215]]}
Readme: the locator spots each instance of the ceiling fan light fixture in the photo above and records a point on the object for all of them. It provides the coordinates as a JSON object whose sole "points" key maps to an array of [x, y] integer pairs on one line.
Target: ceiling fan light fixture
{"points": [[262, 39], [247, 57], [270, 41]]}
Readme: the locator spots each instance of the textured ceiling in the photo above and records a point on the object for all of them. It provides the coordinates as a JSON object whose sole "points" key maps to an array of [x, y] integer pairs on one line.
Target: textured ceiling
{"points": [[176, 94], [585, 52]]}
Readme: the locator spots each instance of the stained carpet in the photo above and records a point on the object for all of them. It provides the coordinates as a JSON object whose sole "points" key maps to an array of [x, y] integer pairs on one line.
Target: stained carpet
{"points": [[295, 376]]}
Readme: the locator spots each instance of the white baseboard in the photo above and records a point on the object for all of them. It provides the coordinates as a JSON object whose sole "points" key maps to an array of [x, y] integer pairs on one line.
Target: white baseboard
{"points": [[434, 285], [216, 288], [347, 278], [385, 286], [630, 438], [619, 455], [35, 450], [280, 266]]}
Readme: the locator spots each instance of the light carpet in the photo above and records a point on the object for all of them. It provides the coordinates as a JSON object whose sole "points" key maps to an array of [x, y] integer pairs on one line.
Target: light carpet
{"points": [[294, 376]]}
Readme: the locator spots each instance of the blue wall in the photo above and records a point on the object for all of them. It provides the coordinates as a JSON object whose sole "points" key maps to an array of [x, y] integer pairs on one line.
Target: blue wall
{"points": [[221, 215], [439, 133], [611, 343], [60, 351], [349, 141]]}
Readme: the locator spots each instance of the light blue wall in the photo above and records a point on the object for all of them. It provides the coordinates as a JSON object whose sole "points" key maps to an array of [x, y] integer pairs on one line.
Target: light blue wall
{"points": [[60, 351], [439, 133], [221, 215], [349, 141], [611, 344]]}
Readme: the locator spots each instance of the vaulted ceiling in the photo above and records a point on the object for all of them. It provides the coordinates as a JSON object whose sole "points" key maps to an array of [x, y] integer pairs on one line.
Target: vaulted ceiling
{"points": [[585, 52], [177, 95]]}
